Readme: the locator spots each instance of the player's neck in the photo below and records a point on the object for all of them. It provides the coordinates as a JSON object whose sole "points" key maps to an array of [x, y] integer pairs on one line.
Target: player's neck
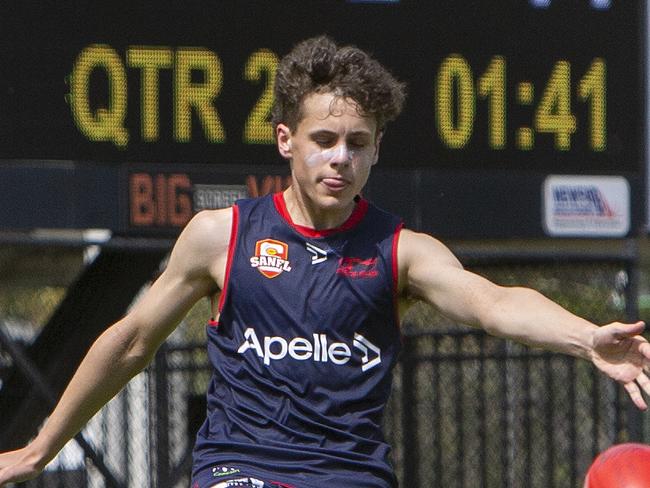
{"points": [[305, 212]]}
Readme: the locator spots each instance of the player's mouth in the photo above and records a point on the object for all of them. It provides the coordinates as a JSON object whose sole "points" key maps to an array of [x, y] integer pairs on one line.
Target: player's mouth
{"points": [[334, 184]]}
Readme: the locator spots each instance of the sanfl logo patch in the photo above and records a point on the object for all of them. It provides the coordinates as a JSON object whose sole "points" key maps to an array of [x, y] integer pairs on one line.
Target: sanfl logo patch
{"points": [[271, 257]]}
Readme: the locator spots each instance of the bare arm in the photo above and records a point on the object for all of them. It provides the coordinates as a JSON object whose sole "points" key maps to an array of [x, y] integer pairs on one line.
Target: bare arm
{"points": [[195, 269], [428, 270]]}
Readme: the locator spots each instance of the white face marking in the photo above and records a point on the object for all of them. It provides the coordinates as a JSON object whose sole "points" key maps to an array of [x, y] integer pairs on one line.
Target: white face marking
{"points": [[340, 154]]}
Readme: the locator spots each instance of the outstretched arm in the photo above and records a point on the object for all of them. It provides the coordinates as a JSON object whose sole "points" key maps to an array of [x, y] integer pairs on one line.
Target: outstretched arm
{"points": [[195, 269], [428, 270]]}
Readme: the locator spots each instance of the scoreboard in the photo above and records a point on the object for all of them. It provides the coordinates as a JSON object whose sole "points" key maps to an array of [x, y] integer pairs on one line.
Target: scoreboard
{"points": [[135, 116]]}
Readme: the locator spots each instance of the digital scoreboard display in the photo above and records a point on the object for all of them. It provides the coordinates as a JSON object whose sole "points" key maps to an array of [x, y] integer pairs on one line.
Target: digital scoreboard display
{"points": [[174, 99]]}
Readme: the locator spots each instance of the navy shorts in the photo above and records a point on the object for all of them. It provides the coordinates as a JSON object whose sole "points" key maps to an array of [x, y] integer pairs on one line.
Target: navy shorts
{"points": [[245, 482]]}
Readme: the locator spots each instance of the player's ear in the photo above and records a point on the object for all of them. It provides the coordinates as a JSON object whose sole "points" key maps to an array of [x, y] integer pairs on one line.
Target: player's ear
{"points": [[283, 137]]}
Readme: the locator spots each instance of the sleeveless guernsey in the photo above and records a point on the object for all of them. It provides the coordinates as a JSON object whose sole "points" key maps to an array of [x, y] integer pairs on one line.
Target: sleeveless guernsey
{"points": [[303, 351]]}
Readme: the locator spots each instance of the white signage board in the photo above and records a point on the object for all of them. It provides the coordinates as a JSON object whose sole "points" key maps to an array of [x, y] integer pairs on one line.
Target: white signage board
{"points": [[586, 206]]}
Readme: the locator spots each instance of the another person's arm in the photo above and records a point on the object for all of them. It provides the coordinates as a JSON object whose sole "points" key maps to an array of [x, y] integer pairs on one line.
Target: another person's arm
{"points": [[194, 270], [428, 270]]}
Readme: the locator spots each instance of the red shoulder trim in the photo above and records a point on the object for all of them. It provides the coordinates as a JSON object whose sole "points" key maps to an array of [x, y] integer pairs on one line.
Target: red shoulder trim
{"points": [[396, 234], [231, 252], [353, 220]]}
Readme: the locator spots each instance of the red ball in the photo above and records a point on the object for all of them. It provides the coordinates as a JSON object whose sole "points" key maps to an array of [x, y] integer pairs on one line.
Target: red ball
{"points": [[621, 466]]}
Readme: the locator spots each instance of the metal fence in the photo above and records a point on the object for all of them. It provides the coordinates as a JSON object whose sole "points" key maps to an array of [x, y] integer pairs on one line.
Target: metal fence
{"points": [[467, 410]]}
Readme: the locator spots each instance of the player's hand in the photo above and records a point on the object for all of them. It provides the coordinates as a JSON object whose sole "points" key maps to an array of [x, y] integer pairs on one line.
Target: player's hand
{"points": [[623, 354], [15, 466]]}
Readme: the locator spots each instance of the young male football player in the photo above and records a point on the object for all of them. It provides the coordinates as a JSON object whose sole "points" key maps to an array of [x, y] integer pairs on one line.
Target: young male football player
{"points": [[306, 333]]}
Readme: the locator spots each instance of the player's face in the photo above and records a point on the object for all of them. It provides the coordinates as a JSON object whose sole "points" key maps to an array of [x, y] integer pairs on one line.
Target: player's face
{"points": [[331, 150]]}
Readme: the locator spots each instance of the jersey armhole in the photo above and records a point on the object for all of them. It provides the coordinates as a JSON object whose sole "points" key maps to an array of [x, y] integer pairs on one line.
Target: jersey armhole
{"points": [[395, 271], [232, 244]]}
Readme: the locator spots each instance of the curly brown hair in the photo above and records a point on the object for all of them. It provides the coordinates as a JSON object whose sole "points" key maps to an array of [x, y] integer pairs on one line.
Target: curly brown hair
{"points": [[319, 65]]}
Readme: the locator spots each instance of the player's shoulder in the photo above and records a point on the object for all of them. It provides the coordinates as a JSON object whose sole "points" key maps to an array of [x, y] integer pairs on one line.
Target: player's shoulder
{"points": [[211, 220], [414, 239], [208, 230], [416, 247]]}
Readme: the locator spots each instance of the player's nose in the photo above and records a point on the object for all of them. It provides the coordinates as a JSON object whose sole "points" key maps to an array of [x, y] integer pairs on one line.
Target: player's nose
{"points": [[341, 154]]}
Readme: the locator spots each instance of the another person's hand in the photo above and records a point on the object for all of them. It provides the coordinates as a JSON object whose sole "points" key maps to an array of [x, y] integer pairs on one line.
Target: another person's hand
{"points": [[623, 354]]}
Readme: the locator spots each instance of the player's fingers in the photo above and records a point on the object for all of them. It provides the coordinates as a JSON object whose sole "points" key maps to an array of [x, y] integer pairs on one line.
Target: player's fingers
{"points": [[644, 349], [644, 382], [628, 330], [635, 394]]}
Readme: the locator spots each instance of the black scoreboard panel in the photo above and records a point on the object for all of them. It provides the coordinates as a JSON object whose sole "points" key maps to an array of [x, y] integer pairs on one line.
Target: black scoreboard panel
{"points": [[173, 99]]}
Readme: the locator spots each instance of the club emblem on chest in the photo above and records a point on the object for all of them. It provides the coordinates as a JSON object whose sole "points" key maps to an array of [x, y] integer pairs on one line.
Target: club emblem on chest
{"points": [[271, 257]]}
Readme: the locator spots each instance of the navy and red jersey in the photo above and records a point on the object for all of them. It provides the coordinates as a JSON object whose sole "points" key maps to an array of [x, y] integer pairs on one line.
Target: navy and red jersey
{"points": [[303, 351]]}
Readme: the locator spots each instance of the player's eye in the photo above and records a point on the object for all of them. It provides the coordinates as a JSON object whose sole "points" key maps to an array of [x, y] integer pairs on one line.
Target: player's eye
{"points": [[324, 141], [357, 144]]}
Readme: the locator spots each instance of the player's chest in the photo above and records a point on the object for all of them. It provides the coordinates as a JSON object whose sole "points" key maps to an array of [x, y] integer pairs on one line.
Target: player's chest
{"points": [[307, 269]]}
